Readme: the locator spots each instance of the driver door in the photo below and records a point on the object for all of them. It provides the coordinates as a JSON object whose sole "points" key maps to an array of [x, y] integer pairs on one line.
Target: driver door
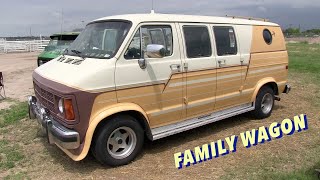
{"points": [[152, 87]]}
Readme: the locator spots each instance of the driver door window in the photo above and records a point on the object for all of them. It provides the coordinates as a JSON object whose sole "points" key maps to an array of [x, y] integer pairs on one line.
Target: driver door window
{"points": [[161, 35]]}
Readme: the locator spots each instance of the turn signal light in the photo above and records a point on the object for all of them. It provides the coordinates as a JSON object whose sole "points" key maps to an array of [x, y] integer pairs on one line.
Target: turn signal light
{"points": [[68, 107]]}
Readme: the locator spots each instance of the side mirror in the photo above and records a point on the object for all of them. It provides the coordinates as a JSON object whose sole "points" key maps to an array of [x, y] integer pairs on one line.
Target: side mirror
{"points": [[155, 51], [152, 51]]}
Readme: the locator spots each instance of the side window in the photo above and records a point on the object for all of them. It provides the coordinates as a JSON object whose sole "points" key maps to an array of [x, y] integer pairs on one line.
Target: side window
{"points": [[161, 35], [225, 41], [197, 41]]}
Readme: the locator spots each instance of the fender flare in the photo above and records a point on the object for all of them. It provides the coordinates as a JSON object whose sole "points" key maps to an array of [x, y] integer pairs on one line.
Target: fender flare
{"points": [[261, 83], [96, 119]]}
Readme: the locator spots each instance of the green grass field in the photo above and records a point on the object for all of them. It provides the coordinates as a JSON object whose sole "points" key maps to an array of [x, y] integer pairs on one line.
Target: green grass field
{"points": [[305, 58]]}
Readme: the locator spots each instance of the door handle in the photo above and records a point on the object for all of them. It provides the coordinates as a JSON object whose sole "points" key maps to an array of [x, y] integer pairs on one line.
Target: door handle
{"points": [[222, 62], [175, 67]]}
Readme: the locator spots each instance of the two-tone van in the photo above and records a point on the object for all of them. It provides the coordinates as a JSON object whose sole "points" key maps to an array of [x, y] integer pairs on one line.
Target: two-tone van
{"points": [[128, 78]]}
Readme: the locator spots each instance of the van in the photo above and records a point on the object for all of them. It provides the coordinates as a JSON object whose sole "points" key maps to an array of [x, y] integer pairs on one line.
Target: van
{"points": [[131, 78], [57, 45]]}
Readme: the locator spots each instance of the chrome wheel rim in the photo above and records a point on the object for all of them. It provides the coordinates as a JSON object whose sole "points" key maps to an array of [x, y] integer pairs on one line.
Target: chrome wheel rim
{"points": [[267, 103], [121, 142]]}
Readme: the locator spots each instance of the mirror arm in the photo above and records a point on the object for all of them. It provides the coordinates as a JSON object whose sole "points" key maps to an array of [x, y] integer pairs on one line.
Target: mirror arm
{"points": [[141, 61], [141, 51]]}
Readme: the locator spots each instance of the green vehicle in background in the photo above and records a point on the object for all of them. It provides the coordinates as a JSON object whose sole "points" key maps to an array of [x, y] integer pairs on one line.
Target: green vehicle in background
{"points": [[58, 43]]}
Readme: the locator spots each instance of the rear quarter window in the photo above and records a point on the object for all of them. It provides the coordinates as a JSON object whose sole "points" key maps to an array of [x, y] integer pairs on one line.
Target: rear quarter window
{"points": [[225, 41], [267, 36]]}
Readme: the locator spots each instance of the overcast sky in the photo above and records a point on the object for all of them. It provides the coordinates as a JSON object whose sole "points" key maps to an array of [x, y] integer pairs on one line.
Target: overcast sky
{"points": [[17, 17]]}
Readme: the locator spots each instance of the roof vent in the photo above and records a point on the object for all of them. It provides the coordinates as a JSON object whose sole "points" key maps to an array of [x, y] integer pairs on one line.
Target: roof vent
{"points": [[69, 60], [62, 58], [77, 61]]}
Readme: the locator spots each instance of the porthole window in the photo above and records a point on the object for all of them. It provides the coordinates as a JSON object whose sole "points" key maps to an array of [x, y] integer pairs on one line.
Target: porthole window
{"points": [[267, 36]]}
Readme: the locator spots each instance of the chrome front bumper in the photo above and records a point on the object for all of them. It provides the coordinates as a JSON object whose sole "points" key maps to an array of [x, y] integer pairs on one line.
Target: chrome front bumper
{"points": [[56, 133]]}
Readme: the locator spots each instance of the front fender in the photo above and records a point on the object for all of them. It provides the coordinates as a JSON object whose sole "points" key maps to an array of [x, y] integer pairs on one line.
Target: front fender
{"points": [[96, 119]]}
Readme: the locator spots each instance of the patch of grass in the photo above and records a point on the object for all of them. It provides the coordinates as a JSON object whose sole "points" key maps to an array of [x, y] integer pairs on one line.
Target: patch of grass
{"points": [[13, 114], [17, 176], [9, 154], [305, 58]]}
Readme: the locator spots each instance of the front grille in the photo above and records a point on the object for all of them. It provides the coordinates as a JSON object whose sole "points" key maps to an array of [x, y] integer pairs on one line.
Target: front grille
{"points": [[49, 99], [45, 97]]}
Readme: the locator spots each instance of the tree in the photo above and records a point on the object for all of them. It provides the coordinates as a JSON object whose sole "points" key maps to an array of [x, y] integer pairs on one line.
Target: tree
{"points": [[291, 31]]}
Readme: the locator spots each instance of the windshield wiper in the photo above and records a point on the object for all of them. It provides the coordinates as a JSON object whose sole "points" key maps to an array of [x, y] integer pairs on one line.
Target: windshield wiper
{"points": [[78, 53], [65, 52]]}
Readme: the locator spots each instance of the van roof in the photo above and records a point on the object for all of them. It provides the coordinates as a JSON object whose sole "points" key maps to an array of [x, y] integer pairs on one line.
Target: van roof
{"points": [[155, 17]]}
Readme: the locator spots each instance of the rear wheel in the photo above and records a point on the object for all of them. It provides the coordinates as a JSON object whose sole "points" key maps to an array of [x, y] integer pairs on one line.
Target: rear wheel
{"points": [[119, 141], [264, 103]]}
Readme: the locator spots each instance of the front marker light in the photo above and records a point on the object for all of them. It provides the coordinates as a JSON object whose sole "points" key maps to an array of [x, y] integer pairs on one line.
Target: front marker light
{"points": [[61, 106], [69, 112]]}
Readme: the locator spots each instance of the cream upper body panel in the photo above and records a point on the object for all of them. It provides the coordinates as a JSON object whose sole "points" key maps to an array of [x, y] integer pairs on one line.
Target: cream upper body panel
{"points": [[138, 18], [91, 75]]}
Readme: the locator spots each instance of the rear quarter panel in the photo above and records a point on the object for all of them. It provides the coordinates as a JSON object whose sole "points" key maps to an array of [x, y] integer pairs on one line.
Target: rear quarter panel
{"points": [[268, 62]]}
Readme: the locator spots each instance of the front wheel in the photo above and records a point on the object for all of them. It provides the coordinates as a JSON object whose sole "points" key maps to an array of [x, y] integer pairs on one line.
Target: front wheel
{"points": [[119, 141], [264, 103]]}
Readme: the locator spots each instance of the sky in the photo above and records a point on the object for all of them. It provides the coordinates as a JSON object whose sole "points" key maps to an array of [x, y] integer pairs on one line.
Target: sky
{"points": [[44, 17]]}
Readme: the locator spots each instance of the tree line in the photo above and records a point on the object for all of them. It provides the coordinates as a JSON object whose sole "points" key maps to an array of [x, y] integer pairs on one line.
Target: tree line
{"points": [[297, 32]]}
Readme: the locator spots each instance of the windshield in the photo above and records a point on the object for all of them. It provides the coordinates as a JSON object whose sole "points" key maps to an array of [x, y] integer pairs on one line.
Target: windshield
{"points": [[60, 43], [100, 39]]}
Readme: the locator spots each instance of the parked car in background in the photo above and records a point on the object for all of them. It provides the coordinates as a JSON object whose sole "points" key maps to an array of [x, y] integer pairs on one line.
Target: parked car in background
{"points": [[58, 43]]}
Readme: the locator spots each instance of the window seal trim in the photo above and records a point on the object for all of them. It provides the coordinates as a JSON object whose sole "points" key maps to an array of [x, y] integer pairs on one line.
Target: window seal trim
{"points": [[185, 42], [139, 26], [235, 36]]}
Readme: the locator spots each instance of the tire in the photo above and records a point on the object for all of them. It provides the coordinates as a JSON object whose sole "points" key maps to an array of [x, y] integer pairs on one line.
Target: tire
{"points": [[118, 141], [264, 103]]}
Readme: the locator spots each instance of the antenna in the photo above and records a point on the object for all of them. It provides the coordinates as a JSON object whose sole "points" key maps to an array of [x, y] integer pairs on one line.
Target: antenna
{"points": [[152, 8]]}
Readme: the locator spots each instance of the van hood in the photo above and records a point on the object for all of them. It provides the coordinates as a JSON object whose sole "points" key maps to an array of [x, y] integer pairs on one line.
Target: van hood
{"points": [[86, 75]]}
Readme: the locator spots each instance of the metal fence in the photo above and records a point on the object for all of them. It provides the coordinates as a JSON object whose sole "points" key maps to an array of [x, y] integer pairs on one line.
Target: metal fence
{"points": [[22, 46]]}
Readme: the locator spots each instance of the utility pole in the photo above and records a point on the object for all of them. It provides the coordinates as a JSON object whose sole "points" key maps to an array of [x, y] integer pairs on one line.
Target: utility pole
{"points": [[61, 20]]}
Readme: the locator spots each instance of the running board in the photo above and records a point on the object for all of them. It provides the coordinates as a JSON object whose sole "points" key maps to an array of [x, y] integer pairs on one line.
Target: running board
{"points": [[164, 131]]}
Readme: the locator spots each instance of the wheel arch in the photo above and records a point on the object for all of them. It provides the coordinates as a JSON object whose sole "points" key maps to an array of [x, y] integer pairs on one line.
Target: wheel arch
{"points": [[100, 118], [271, 82], [133, 113]]}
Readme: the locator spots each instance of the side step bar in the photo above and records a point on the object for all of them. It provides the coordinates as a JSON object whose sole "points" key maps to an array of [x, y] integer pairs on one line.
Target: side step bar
{"points": [[164, 131]]}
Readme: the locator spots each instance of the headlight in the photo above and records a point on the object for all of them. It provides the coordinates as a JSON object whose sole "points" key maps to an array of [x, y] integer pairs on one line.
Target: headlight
{"points": [[61, 106]]}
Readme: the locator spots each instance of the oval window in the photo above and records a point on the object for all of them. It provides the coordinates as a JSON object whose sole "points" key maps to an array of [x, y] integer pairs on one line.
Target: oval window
{"points": [[267, 36]]}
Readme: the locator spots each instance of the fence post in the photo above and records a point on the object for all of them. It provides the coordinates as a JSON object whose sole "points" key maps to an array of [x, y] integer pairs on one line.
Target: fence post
{"points": [[5, 46]]}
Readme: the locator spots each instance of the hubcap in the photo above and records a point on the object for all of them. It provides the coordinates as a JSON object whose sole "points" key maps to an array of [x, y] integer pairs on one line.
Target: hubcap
{"points": [[267, 103], [121, 142]]}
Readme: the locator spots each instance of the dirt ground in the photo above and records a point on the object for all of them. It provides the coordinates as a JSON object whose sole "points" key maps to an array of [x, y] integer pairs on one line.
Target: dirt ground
{"points": [[17, 69], [310, 40], [43, 161]]}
